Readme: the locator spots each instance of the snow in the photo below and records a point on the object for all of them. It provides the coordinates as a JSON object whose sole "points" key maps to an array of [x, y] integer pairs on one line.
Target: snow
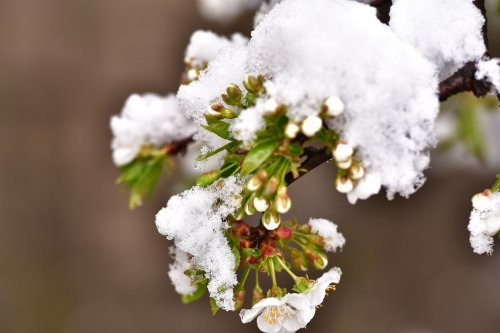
{"points": [[196, 221], [204, 45], [182, 263], [484, 222], [447, 32], [147, 119], [389, 92], [489, 70], [334, 240], [226, 10]]}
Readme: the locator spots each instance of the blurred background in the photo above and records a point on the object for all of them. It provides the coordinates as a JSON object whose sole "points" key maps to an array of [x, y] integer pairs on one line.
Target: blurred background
{"points": [[74, 259]]}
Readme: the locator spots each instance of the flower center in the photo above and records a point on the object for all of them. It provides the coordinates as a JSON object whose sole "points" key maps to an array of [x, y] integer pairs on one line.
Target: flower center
{"points": [[274, 313]]}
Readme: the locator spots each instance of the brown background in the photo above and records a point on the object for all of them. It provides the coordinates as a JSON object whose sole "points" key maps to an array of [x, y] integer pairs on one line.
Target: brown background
{"points": [[74, 259]]}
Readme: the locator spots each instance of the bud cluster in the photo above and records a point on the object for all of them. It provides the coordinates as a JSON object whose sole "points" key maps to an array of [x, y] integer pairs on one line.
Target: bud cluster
{"points": [[350, 169], [193, 68]]}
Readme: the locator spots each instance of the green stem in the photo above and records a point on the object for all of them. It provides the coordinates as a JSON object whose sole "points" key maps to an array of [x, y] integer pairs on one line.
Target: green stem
{"points": [[272, 272], [257, 278], [245, 277], [288, 270]]}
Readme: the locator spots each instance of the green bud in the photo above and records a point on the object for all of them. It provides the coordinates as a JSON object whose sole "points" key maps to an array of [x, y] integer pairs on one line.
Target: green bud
{"points": [[276, 292], [249, 207], [252, 84], [239, 298], [207, 179], [257, 294], [302, 285], [271, 219], [228, 113], [271, 186], [298, 260], [234, 92], [319, 259]]}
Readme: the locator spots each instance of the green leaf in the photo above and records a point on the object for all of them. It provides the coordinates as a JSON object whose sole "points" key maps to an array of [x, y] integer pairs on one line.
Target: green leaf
{"points": [[258, 155], [213, 306], [237, 257], [196, 295], [219, 128], [141, 176], [218, 150]]}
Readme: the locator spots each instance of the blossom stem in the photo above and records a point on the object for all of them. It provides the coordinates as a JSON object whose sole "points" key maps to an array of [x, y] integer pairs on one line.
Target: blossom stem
{"points": [[288, 270], [272, 273], [245, 277]]}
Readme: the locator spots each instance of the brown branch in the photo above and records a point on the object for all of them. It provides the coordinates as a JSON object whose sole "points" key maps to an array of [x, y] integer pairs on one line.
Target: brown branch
{"points": [[464, 80], [178, 147], [314, 158]]}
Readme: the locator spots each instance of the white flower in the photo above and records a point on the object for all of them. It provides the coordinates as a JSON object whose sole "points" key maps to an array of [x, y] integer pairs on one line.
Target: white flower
{"points": [[291, 130], [288, 314], [260, 204], [317, 293], [344, 184], [271, 105], [311, 125], [369, 185]]}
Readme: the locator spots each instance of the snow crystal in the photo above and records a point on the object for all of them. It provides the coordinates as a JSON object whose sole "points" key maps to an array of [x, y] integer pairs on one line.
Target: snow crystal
{"points": [[489, 70], [204, 45], [226, 10], [196, 221], [447, 32], [182, 263], [147, 119], [484, 222], [390, 91], [264, 9], [328, 230]]}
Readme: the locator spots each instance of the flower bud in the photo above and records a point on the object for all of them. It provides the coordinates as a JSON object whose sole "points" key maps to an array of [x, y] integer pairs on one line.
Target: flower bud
{"points": [[254, 183], [345, 164], [276, 292], [249, 207], [344, 184], [252, 84], [476, 199], [271, 219], [260, 204], [192, 74], [228, 113], [240, 229], [215, 109], [257, 294], [334, 106], [357, 171], [298, 260], [271, 186], [283, 203], [271, 105], [280, 233], [207, 179], [239, 298], [343, 152], [305, 228], [291, 130], [239, 214], [234, 92], [262, 174], [319, 259], [311, 125]]}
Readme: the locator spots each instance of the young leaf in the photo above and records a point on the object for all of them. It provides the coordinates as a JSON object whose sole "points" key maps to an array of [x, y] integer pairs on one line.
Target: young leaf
{"points": [[219, 128], [196, 295], [213, 306], [258, 155]]}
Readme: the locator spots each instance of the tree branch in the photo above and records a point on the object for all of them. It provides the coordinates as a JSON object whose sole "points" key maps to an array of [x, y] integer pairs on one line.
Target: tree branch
{"points": [[314, 158], [178, 147], [464, 80]]}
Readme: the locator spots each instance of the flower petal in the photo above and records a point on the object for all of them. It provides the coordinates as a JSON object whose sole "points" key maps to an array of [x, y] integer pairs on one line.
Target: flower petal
{"points": [[305, 316], [270, 301], [298, 301], [247, 315]]}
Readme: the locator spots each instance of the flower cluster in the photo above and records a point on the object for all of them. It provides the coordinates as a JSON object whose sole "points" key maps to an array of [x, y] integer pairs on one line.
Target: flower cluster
{"points": [[318, 81]]}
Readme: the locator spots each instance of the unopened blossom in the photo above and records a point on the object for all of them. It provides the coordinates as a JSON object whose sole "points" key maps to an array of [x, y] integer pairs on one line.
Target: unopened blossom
{"points": [[484, 221], [311, 125], [334, 106]]}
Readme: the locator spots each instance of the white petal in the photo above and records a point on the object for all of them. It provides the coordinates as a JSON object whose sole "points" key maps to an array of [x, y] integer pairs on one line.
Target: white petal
{"points": [[298, 301], [270, 301], [247, 315], [292, 324], [306, 316]]}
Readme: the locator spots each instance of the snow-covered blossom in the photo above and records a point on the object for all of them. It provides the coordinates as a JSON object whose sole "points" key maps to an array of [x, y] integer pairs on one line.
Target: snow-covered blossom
{"points": [[328, 231], [249, 122], [367, 186], [147, 119], [226, 10], [182, 263], [196, 220], [489, 70], [288, 314], [484, 222], [447, 32], [293, 311]]}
